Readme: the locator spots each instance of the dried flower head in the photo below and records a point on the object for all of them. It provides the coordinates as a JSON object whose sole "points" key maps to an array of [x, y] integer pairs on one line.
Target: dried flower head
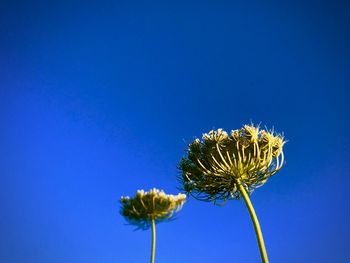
{"points": [[220, 161], [151, 205]]}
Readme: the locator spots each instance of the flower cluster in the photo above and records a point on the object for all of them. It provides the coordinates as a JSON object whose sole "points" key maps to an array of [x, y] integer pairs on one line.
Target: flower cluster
{"points": [[151, 205], [220, 161]]}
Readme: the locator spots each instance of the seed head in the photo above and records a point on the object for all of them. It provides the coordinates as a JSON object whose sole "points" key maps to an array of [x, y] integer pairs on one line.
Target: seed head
{"points": [[154, 204], [215, 165]]}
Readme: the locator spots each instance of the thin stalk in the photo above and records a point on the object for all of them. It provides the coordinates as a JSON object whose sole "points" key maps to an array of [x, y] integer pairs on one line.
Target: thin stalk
{"points": [[256, 224], [153, 251]]}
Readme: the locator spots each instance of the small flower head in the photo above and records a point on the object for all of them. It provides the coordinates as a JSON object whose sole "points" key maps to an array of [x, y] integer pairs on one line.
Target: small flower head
{"points": [[215, 165], [154, 204]]}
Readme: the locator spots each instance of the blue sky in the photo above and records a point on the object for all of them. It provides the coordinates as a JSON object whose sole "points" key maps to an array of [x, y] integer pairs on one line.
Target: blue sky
{"points": [[99, 99]]}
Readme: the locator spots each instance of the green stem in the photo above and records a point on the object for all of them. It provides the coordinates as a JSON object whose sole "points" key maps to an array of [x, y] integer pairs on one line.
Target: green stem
{"points": [[256, 224], [153, 251]]}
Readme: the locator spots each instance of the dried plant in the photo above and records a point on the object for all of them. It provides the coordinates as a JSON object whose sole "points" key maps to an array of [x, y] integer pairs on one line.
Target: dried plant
{"points": [[225, 166], [148, 208]]}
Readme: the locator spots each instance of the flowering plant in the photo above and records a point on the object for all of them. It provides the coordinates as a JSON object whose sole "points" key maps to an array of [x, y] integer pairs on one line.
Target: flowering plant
{"points": [[148, 208], [223, 166]]}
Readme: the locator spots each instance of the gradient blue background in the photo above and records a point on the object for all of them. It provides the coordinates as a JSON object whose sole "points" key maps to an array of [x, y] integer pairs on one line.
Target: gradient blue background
{"points": [[99, 99]]}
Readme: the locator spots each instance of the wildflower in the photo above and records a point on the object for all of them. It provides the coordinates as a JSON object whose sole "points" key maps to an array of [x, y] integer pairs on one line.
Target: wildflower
{"points": [[220, 161], [225, 166], [148, 208], [152, 205]]}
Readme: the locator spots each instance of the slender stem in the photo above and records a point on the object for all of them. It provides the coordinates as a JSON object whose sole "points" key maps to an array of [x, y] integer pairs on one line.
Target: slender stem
{"points": [[153, 251], [256, 224]]}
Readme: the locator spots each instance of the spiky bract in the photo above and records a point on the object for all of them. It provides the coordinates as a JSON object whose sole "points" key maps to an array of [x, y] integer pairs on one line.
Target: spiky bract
{"points": [[154, 204], [215, 165]]}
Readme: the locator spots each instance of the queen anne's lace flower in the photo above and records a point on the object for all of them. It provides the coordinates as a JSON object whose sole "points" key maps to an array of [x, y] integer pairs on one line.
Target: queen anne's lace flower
{"points": [[215, 165], [151, 205]]}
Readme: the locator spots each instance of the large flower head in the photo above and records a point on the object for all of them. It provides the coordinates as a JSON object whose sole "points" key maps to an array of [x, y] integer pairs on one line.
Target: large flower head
{"points": [[217, 163], [151, 205]]}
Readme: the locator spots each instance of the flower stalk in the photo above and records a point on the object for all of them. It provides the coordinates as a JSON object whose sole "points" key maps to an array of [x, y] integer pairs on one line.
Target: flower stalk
{"points": [[258, 233], [153, 249]]}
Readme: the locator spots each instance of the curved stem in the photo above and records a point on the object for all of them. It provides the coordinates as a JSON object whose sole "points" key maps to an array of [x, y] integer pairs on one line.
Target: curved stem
{"points": [[153, 251], [256, 224]]}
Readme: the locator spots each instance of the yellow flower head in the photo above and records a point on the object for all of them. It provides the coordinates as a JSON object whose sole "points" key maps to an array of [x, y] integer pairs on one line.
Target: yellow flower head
{"points": [[154, 204], [217, 163]]}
